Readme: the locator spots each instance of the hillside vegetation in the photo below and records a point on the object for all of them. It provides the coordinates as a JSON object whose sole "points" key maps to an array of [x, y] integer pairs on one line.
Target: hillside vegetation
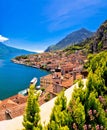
{"points": [[96, 43]]}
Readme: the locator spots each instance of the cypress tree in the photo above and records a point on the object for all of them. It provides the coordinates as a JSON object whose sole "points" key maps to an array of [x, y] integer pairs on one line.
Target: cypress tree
{"points": [[31, 117], [59, 117], [76, 108]]}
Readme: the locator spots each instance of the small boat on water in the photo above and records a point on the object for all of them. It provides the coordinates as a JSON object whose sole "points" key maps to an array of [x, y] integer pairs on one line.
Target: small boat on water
{"points": [[33, 81], [25, 91], [37, 87]]}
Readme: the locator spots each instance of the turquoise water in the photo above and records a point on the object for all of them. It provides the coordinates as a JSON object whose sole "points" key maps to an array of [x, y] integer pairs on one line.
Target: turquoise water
{"points": [[15, 77]]}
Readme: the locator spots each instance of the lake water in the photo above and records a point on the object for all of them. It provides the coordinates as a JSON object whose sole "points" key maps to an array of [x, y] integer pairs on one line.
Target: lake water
{"points": [[15, 77]]}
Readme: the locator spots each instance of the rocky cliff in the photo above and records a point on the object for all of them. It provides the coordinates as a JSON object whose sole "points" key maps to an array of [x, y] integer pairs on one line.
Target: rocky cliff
{"points": [[99, 41]]}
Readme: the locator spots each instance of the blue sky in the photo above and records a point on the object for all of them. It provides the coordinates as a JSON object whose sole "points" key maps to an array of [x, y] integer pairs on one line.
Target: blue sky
{"points": [[36, 24]]}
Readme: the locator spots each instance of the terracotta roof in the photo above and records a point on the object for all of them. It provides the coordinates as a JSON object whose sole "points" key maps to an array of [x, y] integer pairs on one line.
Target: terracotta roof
{"points": [[67, 83], [19, 99], [49, 88], [15, 105], [7, 104]]}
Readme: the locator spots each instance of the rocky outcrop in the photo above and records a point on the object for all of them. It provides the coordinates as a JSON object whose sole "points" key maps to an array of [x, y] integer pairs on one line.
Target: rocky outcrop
{"points": [[99, 41]]}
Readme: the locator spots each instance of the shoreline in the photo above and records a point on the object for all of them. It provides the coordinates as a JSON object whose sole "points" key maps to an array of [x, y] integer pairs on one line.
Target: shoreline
{"points": [[33, 66], [15, 62]]}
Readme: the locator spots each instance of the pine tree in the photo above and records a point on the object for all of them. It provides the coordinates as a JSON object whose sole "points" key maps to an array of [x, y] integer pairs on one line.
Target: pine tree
{"points": [[31, 117]]}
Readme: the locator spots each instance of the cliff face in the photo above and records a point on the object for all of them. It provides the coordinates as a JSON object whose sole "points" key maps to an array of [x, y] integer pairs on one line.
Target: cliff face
{"points": [[99, 41]]}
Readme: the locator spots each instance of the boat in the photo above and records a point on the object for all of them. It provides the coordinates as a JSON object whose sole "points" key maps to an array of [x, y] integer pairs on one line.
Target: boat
{"points": [[37, 87], [25, 91], [33, 81]]}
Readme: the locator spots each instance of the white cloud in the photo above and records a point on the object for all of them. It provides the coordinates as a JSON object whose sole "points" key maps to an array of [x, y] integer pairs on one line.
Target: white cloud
{"points": [[3, 39]]}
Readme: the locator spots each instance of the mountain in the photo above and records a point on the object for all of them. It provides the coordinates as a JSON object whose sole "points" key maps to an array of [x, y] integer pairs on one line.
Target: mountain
{"points": [[73, 38], [6, 50], [96, 43]]}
